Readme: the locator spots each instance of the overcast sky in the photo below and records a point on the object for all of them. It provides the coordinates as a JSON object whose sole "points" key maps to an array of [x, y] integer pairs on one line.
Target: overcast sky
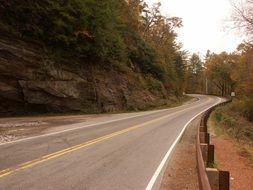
{"points": [[204, 24]]}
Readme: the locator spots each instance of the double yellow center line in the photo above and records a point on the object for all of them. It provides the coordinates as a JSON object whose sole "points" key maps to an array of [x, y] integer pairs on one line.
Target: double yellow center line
{"points": [[57, 154]]}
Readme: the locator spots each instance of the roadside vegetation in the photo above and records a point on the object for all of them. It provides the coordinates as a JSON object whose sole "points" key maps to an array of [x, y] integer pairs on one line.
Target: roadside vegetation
{"points": [[134, 40], [125, 53], [126, 36], [230, 122], [224, 73]]}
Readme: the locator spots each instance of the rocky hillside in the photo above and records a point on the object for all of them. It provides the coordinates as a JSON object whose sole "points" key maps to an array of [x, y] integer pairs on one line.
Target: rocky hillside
{"points": [[32, 82], [87, 55]]}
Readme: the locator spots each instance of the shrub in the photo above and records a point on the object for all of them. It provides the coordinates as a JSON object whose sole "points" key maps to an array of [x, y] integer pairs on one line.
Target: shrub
{"points": [[243, 106], [248, 110], [218, 114], [228, 121], [233, 122], [88, 28]]}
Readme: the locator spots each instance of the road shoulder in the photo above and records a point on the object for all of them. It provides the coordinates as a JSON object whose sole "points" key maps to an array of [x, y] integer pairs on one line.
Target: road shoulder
{"points": [[15, 128], [181, 172]]}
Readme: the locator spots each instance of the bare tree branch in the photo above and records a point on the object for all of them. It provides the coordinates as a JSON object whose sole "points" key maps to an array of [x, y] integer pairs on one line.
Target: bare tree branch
{"points": [[243, 16]]}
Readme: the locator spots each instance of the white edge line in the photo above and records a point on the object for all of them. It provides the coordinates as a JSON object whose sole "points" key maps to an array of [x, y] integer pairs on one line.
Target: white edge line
{"points": [[164, 160], [90, 125]]}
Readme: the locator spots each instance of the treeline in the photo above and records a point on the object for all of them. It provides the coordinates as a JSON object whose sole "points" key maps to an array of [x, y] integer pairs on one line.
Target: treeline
{"points": [[223, 73], [125, 35]]}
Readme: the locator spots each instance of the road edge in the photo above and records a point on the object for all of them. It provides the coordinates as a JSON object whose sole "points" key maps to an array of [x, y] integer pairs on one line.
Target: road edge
{"points": [[167, 155]]}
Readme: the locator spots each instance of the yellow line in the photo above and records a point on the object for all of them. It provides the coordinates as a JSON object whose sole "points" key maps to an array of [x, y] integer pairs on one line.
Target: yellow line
{"points": [[57, 154]]}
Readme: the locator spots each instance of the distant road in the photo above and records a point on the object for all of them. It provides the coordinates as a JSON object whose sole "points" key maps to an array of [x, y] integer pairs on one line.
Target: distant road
{"points": [[129, 152]]}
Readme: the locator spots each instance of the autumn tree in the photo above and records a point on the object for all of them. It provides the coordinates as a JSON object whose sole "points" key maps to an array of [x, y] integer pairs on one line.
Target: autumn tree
{"points": [[242, 73], [136, 8], [159, 32], [218, 71], [243, 70]]}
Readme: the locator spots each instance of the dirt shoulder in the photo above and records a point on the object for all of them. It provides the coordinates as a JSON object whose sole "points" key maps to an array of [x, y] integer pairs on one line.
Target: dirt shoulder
{"points": [[181, 172], [13, 128], [229, 157], [20, 127]]}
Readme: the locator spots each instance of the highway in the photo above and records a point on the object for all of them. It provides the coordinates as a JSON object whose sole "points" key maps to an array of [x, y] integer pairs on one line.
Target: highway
{"points": [[125, 151]]}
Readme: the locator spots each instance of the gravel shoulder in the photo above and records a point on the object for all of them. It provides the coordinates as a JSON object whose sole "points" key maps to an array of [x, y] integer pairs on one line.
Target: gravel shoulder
{"points": [[20, 127]]}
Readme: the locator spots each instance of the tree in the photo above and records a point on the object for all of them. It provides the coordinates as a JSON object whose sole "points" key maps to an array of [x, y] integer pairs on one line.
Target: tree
{"points": [[158, 31], [218, 72], [243, 16], [135, 11], [181, 70], [104, 33], [242, 71], [195, 74]]}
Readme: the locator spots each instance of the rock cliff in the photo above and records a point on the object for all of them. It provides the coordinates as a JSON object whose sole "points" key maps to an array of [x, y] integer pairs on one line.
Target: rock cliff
{"points": [[31, 82]]}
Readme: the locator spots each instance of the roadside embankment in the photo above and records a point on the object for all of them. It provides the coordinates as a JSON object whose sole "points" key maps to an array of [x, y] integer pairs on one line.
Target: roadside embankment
{"points": [[232, 136]]}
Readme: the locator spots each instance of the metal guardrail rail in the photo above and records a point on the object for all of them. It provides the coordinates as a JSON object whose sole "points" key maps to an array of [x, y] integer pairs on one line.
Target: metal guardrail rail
{"points": [[209, 179]]}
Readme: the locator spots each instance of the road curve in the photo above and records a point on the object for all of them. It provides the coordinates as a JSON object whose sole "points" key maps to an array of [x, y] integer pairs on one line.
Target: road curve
{"points": [[129, 151]]}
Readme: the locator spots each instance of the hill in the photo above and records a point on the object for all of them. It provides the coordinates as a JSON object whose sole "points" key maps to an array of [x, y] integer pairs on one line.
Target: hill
{"points": [[88, 56]]}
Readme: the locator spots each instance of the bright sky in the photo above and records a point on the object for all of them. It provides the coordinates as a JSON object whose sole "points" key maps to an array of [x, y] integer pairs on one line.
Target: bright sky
{"points": [[204, 24]]}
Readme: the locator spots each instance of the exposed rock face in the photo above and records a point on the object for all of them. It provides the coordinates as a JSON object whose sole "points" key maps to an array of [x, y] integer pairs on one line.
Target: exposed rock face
{"points": [[31, 82]]}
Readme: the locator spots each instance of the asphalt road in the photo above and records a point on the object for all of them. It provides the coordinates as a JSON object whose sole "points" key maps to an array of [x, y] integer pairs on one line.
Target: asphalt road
{"points": [[129, 151]]}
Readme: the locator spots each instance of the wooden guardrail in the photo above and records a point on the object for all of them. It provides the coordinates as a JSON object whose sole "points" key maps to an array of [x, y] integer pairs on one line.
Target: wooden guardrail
{"points": [[209, 178]]}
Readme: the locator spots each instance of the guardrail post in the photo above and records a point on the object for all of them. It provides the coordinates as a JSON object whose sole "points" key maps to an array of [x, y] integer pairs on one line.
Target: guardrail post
{"points": [[224, 178], [210, 155], [219, 180], [204, 151]]}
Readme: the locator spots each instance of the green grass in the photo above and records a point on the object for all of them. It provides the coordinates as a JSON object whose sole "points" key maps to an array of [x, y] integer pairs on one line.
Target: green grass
{"points": [[217, 128]]}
